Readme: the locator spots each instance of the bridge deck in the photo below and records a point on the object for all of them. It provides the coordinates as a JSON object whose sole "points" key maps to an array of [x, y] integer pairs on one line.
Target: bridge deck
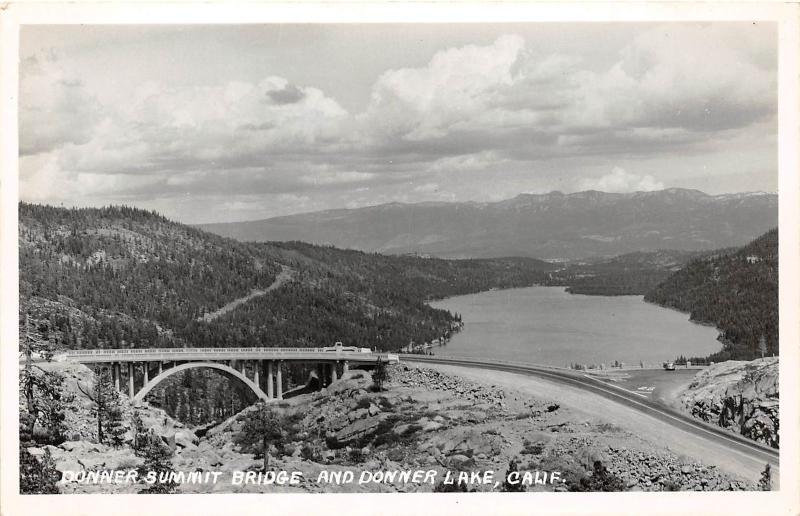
{"points": [[196, 354]]}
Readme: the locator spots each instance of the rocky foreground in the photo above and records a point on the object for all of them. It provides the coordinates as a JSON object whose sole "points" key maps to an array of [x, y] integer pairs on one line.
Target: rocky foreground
{"points": [[424, 420], [738, 395]]}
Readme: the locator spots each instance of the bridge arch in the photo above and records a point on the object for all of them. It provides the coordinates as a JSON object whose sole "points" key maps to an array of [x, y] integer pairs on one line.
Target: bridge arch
{"points": [[144, 391]]}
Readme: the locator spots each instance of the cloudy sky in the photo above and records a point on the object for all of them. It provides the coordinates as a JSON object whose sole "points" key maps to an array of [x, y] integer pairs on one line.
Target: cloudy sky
{"points": [[226, 123]]}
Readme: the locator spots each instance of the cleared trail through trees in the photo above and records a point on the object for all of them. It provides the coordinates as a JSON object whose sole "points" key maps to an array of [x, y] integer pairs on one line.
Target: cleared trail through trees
{"points": [[285, 275]]}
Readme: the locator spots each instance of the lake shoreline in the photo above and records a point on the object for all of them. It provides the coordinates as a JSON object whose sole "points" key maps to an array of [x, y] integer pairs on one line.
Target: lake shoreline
{"points": [[547, 324]]}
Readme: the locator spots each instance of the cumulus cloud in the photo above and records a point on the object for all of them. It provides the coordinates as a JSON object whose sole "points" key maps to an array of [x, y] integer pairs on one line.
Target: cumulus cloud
{"points": [[427, 188], [169, 138], [328, 177], [468, 116], [289, 94], [55, 108], [676, 76], [466, 162], [457, 83], [660, 93], [621, 181]]}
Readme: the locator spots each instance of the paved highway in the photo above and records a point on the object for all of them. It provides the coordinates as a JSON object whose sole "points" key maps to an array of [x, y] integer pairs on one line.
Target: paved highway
{"points": [[630, 399]]}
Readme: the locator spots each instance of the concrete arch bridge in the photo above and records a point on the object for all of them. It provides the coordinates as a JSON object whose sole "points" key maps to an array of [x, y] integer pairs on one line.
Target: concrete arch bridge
{"points": [[260, 369]]}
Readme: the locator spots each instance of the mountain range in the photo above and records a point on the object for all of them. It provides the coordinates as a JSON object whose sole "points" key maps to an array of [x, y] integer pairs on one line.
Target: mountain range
{"points": [[553, 226]]}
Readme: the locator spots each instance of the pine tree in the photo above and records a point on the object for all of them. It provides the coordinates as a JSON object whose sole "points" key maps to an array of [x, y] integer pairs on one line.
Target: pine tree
{"points": [[115, 421], [600, 480], [762, 345], [43, 392], [139, 432], [262, 427], [107, 409], [765, 482], [33, 376], [379, 375], [157, 461], [509, 487], [37, 477]]}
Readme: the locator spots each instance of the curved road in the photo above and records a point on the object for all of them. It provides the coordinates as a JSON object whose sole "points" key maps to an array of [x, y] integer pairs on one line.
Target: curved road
{"points": [[672, 417], [284, 276]]}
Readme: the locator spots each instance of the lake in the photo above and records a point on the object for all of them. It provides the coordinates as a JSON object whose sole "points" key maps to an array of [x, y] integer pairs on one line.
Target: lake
{"points": [[546, 325]]}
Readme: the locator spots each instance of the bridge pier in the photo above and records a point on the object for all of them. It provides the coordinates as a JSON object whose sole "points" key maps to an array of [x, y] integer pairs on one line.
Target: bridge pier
{"points": [[160, 367], [256, 379], [130, 380], [279, 379], [334, 371], [115, 374], [345, 367], [270, 381], [146, 374]]}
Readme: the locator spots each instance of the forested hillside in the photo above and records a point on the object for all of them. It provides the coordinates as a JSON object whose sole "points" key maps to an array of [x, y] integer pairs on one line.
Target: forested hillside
{"points": [[120, 277], [361, 299], [123, 277], [623, 275], [737, 291]]}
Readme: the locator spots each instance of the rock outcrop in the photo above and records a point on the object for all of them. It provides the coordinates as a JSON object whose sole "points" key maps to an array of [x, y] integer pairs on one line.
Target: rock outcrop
{"points": [[81, 452], [738, 395], [432, 379], [423, 420]]}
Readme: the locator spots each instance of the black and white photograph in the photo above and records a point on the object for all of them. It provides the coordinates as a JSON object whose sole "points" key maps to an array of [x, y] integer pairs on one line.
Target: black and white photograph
{"points": [[515, 257]]}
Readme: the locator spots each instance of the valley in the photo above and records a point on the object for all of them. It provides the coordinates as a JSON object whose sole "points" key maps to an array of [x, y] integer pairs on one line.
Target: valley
{"points": [[122, 278]]}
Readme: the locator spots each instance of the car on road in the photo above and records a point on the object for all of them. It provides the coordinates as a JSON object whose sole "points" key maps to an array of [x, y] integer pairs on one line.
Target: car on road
{"points": [[339, 347]]}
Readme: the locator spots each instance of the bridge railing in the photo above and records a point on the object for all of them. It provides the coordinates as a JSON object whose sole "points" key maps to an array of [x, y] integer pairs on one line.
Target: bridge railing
{"points": [[77, 353], [134, 351]]}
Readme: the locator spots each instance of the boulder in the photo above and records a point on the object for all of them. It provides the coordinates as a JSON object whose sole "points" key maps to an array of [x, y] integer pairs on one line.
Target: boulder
{"points": [[358, 414], [92, 461], [169, 439], [358, 429], [123, 458], [183, 446], [68, 465], [55, 451], [36, 452], [430, 426], [588, 455], [459, 460], [81, 447], [186, 439], [401, 429]]}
